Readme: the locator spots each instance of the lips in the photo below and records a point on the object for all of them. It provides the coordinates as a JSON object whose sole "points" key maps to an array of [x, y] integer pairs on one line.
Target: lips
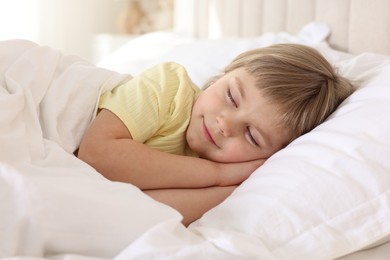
{"points": [[207, 134]]}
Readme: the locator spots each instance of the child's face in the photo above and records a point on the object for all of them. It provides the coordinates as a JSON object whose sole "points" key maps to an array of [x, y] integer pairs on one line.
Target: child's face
{"points": [[231, 121]]}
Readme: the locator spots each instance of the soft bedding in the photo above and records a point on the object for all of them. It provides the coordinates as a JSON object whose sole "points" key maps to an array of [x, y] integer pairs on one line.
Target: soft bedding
{"points": [[324, 196], [51, 202]]}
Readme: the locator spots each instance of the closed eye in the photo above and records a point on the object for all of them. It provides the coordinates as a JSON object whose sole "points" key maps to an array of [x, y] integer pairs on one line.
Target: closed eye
{"points": [[250, 136], [230, 97]]}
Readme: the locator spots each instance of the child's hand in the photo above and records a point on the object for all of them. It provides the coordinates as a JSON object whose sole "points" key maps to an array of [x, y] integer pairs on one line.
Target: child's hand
{"points": [[235, 173]]}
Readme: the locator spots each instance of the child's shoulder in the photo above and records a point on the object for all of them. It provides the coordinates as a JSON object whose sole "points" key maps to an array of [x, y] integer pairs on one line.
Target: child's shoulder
{"points": [[171, 72]]}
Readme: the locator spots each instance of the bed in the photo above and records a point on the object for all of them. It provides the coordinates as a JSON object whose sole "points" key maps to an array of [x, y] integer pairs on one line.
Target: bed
{"points": [[324, 196]]}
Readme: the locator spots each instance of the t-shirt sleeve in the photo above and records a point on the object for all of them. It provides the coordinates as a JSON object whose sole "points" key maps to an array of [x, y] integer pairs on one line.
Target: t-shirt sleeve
{"points": [[144, 102]]}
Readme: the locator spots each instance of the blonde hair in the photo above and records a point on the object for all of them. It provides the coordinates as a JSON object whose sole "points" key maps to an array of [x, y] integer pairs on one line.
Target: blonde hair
{"points": [[299, 79]]}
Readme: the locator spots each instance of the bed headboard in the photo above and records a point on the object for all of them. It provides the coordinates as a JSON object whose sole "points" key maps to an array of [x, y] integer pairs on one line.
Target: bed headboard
{"points": [[356, 25]]}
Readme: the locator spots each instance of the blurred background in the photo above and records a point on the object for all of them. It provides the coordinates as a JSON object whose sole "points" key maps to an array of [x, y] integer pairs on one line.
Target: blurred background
{"points": [[92, 29], [88, 28]]}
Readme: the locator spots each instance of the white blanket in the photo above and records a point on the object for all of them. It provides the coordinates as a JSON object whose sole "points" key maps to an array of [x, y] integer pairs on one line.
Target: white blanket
{"points": [[51, 203]]}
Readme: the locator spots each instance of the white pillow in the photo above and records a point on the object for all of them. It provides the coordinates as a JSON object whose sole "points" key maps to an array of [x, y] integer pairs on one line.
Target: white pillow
{"points": [[325, 195]]}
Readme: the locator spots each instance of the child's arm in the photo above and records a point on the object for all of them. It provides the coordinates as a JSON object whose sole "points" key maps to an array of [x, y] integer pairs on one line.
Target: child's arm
{"points": [[192, 203], [108, 147]]}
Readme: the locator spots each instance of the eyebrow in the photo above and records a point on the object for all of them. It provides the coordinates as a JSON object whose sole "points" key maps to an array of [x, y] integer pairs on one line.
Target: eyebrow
{"points": [[266, 137]]}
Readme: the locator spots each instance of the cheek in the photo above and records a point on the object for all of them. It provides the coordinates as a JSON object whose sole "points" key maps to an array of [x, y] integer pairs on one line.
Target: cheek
{"points": [[239, 152]]}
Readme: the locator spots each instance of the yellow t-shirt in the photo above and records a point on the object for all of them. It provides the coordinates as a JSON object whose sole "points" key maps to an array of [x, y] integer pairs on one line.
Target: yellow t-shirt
{"points": [[156, 107]]}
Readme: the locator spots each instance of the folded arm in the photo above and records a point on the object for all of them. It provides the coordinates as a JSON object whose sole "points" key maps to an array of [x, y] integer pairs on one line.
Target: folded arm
{"points": [[190, 185]]}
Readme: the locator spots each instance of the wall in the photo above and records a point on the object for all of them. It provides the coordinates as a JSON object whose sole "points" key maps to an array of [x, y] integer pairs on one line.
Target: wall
{"points": [[69, 25], [219, 18]]}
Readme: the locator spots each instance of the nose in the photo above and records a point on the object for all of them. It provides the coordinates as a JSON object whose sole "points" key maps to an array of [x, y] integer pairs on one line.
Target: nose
{"points": [[227, 125]]}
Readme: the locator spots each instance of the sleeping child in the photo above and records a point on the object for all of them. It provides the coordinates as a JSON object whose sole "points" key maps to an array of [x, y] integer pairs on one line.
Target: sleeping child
{"points": [[190, 148]]}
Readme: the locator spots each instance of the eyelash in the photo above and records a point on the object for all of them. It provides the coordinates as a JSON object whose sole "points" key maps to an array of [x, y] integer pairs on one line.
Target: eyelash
{"points": [[231, 99], [251, 136]]}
